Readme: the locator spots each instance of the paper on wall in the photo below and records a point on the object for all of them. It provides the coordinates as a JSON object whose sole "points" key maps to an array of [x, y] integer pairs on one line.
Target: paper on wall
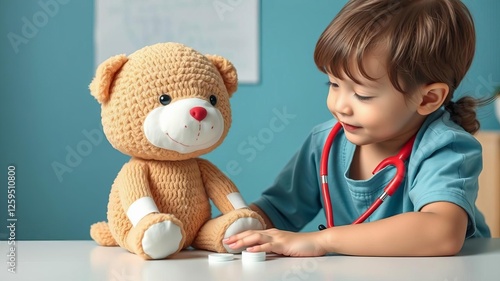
{"points": [[229, 28]]}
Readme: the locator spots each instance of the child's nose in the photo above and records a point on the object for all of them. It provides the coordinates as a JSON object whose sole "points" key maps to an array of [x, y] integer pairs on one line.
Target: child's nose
{"points": [[341, 104]]}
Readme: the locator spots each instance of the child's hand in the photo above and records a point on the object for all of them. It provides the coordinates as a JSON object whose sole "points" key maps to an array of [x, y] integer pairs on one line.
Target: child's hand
{"points": [[277, 241]]}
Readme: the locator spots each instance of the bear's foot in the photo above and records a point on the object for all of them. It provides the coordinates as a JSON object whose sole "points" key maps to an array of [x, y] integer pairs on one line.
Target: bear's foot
{"points": [[241, 225], [156, 236], [101, 234], [215, 230]]}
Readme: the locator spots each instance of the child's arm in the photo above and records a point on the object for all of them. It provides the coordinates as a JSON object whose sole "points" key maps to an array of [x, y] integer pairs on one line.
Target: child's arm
{"points": [[437, 230], [267, 220]]}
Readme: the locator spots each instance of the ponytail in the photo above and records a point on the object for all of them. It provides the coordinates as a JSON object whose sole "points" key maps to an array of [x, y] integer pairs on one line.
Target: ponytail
{"points": [[463, 111]]}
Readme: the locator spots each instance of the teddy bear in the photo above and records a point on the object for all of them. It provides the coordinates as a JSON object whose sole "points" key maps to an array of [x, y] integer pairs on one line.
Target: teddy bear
{"points": [[165, 105]]}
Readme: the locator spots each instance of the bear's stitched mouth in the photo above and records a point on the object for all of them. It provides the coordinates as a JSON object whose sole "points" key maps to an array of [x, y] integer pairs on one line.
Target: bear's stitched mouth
{"points": [[176, 141], [183, 144]]}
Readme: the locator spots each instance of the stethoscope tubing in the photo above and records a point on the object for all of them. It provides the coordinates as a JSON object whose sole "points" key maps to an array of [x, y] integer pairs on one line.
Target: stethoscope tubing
{"points": [[396, 160]]}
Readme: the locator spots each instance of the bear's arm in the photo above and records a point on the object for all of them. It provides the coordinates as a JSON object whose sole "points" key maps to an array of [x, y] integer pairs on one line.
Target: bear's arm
{"points": [[220, 189], [132, 183]]}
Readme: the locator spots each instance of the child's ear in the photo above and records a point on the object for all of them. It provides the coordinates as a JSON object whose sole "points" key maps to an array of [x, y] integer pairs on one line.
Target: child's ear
{"points": [[433, 96]]}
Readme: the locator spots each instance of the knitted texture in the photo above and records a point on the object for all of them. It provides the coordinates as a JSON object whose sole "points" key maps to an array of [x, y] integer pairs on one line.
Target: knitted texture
{"points": [[177, 186], [100, 87], [169, 68], [217, 186], [101, 235]]}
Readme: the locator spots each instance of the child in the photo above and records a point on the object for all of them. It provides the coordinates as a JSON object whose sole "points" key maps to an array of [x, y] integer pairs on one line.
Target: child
{"points": [[393, 67]]}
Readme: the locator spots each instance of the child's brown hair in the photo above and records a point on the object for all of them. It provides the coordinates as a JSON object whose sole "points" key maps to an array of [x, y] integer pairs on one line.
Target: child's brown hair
{"points": [[426, 41]]}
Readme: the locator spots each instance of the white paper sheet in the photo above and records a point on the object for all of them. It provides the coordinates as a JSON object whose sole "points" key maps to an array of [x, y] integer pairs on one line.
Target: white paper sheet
{"points": [[229, 28]]}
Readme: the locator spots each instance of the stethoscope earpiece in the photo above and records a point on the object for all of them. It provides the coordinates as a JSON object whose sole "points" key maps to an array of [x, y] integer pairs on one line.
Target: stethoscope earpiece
{"points": [[321, 227]]}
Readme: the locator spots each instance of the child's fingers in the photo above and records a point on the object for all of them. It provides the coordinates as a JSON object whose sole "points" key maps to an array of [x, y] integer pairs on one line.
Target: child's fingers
{"points": [[252, 239], [267, 247], [236, 237]]}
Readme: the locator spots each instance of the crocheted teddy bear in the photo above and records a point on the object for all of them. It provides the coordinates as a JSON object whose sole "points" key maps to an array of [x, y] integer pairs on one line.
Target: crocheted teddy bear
{"points": [[165, 105]]}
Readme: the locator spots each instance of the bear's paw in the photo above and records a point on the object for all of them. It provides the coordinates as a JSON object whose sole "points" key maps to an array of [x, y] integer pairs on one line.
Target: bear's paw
{"points": [[162, 239], [240, 225]]}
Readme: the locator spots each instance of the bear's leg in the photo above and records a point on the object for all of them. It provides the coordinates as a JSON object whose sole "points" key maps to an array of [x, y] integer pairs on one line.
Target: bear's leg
{"points": [[101, 234], [212, 232], [156, 236]]}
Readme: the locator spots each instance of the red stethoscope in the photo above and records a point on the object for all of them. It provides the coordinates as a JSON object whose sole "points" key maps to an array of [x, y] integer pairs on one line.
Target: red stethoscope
{"points": [[395, 160]]}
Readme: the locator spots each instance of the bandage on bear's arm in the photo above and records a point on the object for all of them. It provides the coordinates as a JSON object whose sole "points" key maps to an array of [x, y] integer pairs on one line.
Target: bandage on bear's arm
{"points": [[220, 189]]}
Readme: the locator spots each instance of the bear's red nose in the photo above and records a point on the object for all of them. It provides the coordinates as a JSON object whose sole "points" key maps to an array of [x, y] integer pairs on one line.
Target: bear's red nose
{"points": [[199, 113]]}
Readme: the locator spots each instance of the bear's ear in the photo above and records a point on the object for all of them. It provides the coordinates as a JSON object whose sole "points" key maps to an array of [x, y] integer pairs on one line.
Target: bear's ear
{"points": [[99, 87], [227, 71]]}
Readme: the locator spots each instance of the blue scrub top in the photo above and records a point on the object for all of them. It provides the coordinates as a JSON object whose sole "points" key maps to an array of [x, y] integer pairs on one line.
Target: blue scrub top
{"points": [[444, 166]]}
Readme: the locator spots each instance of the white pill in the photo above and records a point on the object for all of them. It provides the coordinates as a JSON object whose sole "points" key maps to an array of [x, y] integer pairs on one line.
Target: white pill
{"points": [[253, 256], [220, 257]]}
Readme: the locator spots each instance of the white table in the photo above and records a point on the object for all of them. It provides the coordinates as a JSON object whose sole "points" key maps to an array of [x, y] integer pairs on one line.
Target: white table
{"points": [[479, 260]]}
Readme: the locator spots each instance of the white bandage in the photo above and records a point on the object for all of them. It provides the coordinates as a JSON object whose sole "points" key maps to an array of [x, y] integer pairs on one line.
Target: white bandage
{"points": [[236, 200], [140, 208]]}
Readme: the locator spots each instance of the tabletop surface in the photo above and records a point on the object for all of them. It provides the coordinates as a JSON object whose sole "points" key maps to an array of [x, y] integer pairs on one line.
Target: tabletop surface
{"points": [[84, 260]]}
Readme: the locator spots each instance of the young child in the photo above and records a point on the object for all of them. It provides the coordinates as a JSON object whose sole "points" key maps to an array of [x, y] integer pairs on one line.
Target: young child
{"points": [[393, 67]]}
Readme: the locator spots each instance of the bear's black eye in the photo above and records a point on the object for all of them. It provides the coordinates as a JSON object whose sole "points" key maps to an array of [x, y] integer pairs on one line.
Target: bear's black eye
{"points": [[213, 100], [165, 99]]}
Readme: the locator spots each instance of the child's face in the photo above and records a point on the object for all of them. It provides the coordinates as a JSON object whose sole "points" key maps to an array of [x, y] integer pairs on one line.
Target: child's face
{"points": [[373, 111]]}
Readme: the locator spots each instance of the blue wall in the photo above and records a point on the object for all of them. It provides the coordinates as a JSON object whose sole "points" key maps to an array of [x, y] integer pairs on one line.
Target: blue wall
{"points": [[48, 117]]}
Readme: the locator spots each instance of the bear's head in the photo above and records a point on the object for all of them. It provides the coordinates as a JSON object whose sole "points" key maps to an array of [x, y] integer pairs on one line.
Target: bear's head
{"points": [[165, 101]]}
